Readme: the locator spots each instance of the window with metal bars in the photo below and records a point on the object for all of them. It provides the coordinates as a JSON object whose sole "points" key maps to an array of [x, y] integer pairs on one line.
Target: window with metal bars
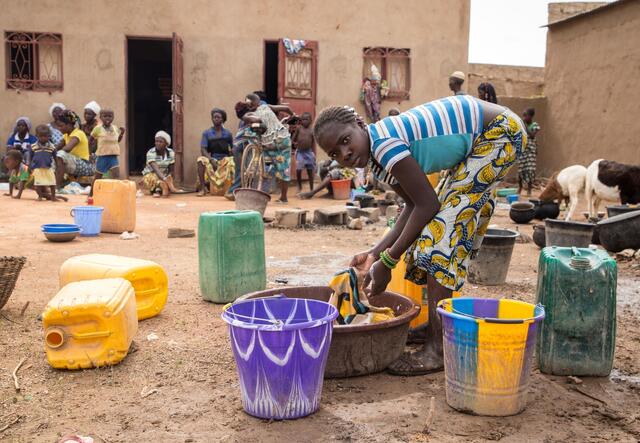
{"points": [[33, 61], [394, 66]]}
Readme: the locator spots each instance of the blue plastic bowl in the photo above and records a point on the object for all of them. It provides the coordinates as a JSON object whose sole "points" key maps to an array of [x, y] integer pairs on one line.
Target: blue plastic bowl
{"points": [[60, 228]]}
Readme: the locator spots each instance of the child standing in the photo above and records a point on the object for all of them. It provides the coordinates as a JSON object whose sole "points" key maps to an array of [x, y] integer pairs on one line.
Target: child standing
{"points": [[305, 146], [107, 138], [42, 162], [527, 172], [19, 171], [478, 142]]}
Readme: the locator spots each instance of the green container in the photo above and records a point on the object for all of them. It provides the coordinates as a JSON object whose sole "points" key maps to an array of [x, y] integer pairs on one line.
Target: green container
{"points": [[577, 287], [231, 254]]}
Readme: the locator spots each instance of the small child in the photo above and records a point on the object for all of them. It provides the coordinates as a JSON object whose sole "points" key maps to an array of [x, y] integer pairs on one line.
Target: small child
{"points": [[107, 138], [19, 172], [305, 146], [42, 162]]}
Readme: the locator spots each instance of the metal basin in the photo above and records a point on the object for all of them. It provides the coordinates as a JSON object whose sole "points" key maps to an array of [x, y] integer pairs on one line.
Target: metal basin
{"points": [[359, 349], [620, 232]]}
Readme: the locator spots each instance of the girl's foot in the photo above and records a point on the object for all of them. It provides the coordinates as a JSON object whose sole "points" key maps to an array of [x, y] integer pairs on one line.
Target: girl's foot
{"points": [[201, 193], [156, 194], [425, 361], [282, 202], [305, 195]]}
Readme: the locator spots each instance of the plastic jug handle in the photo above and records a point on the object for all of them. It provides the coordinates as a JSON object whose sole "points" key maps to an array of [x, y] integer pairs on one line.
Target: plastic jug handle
{"points": [[71, 213], [89, 335]]}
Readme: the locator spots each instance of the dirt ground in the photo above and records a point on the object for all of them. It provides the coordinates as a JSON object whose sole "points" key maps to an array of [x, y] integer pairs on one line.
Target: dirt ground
{"points": [[192, 369]]}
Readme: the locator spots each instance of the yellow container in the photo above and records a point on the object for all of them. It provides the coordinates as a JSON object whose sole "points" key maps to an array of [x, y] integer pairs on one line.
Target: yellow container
{"points": [[148, 278], [417, 293], [118, 198], [90, 324]]}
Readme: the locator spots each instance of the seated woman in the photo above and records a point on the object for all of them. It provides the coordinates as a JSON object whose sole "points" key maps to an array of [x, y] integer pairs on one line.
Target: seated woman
{"points": [[73, 152], [21, 138], [330, 170], [54, 111], [216, 166], [157, 175]]}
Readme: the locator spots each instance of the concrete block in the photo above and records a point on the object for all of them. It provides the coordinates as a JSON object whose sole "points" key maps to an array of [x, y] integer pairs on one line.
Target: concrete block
{"points": [[331, 215], [372, 214], [291, 218], [390, 195]]}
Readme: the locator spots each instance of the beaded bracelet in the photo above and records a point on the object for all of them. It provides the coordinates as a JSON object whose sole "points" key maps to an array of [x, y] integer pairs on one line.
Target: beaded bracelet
{"points": [[386, 259]]}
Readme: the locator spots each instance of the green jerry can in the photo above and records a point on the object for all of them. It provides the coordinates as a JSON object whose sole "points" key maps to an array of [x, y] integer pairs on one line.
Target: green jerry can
{"points": [[231, 254], [577, 287]]}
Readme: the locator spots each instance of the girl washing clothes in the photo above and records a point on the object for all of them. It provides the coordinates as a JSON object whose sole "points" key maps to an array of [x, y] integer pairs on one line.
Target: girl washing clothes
{"points": [[477, 142]]}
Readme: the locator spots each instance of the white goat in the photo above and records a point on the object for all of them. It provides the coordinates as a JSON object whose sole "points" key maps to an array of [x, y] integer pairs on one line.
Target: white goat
{"points": [[566, 185], [596, 191]]}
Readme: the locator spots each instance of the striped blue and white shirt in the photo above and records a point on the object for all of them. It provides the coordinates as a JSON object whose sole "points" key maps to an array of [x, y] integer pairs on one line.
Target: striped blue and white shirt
{"points": [[438, 135]]}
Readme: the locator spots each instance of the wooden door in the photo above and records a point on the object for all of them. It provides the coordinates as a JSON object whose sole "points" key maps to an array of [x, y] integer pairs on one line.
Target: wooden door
{"points": [[177, 105], [297, 77]]}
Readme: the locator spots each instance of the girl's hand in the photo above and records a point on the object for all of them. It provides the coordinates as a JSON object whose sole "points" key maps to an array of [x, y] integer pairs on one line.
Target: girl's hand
{"points": [[362, 262], [379, 277]]}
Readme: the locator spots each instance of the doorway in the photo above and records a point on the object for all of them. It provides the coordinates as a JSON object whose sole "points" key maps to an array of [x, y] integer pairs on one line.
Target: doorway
{"points": [[271, 63], [149, 89]]}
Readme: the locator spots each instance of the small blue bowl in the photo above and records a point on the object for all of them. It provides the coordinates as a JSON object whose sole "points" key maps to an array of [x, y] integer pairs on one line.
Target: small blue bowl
{"points": [[512, 198], [60, 228]]}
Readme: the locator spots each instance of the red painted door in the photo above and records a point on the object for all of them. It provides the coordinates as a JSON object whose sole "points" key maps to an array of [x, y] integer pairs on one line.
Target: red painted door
{"points": [[297, 77], [177, 105], [297, 81]]}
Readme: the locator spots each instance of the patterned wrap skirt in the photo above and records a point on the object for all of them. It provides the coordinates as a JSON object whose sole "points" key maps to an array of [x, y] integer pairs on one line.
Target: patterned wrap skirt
{"points": [[527, 164], [467, 201]]}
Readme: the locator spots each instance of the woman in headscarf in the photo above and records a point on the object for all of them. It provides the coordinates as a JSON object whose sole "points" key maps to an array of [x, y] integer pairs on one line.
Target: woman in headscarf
{"points": [[73, 153], [157, 175], [487, 92], [54, 111], [21, 138], [91, 112]]}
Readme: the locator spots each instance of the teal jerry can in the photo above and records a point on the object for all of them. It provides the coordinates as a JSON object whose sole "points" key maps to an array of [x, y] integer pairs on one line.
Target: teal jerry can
{"points": [[230, 254], [577, 287]]}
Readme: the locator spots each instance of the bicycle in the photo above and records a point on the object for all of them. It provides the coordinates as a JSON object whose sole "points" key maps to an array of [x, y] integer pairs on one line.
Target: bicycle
{"points": [[252, 166]]}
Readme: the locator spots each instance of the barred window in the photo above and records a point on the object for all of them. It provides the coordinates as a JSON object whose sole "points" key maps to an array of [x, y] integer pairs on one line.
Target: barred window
{"points": [[33, 61], [395, 67]]}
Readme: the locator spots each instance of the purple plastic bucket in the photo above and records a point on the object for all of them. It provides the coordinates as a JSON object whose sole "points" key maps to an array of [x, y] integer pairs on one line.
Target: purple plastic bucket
{"points": [[281, 346]]}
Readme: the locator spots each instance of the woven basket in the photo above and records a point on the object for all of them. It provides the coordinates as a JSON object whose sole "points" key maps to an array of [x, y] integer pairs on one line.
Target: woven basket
{"points": [[10, 268]]}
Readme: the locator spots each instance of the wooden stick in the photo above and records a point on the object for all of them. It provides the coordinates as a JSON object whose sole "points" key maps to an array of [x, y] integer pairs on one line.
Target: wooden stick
{"points": [[7, 426], [8, 319], [586, 394], [429, 421], [24, 308], [15, 374]]}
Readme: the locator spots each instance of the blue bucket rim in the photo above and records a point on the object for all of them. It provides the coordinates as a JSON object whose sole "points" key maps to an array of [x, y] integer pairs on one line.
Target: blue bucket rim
{"points": [[276, 325], [468, 317], [89, 208]]}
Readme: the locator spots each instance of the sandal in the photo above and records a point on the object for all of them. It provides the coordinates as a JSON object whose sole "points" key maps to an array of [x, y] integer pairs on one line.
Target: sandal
{"points": [[408, 365], [282, 202]]}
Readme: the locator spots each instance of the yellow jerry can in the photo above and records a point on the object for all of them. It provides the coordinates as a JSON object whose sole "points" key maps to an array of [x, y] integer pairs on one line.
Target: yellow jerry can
{"points": [[90, 324], [118, 198], [417, 293], [148, 278]]}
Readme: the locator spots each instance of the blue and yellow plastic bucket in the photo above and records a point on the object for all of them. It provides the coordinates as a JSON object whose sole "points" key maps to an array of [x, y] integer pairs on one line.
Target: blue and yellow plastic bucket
{"points": [[488, 350]]}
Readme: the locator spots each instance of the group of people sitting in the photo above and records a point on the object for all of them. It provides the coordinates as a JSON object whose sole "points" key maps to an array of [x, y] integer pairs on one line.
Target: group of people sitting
{"points": [[64, 145]]}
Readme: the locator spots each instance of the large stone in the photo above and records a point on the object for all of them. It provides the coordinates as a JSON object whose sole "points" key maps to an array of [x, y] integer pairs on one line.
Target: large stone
{"points": [[291, 218], [392, 211], [331, 215], [356, 224]]}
